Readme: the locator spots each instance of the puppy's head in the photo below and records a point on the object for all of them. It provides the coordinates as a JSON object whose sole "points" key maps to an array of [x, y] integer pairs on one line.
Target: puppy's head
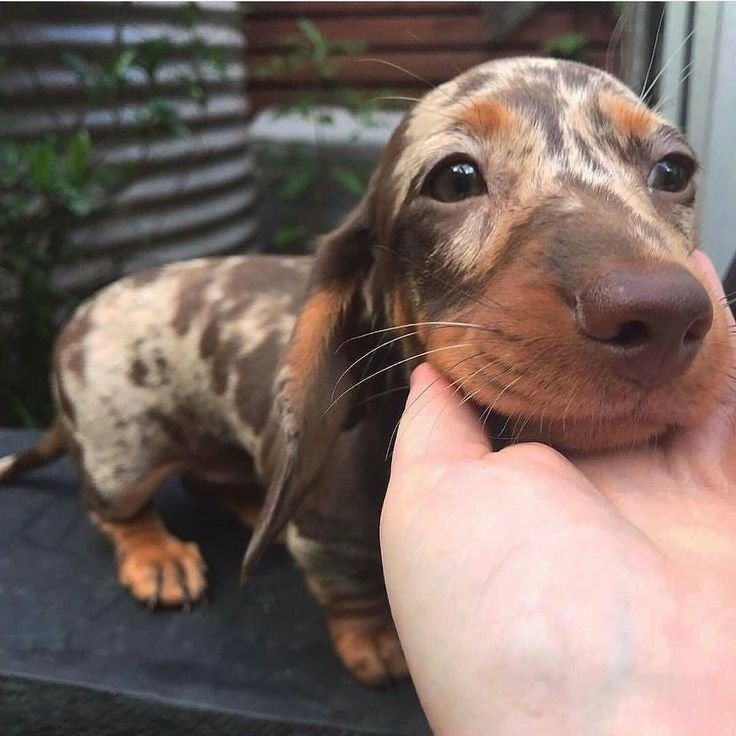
{"points": [[543, 203], [531, 222]]}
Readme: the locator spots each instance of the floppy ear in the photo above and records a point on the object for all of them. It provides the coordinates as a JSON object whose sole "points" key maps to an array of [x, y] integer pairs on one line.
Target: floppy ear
{"points": [[302, 429]]}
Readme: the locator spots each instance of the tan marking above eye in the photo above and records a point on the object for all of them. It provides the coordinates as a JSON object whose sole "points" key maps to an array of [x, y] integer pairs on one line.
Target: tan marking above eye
{"points": [[488, 116], [630, 120]]}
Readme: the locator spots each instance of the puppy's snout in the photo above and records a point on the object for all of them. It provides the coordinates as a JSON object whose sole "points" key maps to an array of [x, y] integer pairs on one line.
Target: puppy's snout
{"points": [[650, 324]]}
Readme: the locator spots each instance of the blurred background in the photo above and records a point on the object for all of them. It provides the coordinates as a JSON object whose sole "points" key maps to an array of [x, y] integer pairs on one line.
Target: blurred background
{"points": [[132, 134]]}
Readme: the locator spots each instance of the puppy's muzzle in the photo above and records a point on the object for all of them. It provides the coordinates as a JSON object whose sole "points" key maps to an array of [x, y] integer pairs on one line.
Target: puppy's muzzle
{"points": [[649, 324]]}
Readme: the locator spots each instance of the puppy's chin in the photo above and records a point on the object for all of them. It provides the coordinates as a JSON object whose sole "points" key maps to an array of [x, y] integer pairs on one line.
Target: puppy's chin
{"points": [[581, 435], [592, 435], [654, 417], [623, 420]]}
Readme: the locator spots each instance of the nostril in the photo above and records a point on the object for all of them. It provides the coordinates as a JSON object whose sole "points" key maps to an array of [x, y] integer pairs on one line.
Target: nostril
{"points": [[632, 335], [649, 323], [697, 331]]}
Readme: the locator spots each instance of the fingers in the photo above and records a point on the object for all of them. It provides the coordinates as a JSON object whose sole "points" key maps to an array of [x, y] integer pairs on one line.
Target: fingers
{"points": [[436, 424], [708, 270], [712, 281]]}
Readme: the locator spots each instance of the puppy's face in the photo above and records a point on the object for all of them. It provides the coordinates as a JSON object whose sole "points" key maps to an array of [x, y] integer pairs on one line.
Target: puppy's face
{"points": [[532, 222], [541, 205]]}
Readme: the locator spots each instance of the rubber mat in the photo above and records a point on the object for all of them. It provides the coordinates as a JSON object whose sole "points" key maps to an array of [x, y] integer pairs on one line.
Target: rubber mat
{"points": [[70, 635]]}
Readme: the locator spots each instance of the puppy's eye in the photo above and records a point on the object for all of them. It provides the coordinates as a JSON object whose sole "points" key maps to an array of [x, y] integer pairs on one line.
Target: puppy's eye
{"points": [[453, 182], [671, 174]]}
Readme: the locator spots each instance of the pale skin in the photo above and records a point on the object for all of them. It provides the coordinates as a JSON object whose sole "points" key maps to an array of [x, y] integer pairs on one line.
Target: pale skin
{"points": [[538, 594]]}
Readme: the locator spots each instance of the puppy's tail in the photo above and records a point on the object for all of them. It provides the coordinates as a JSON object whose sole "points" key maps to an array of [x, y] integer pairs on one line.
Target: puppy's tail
{"points": [[51, 446]]}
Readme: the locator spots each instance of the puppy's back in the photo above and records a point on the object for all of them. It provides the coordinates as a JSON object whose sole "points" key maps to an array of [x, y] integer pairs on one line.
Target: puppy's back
{"points": [[178, 338]]}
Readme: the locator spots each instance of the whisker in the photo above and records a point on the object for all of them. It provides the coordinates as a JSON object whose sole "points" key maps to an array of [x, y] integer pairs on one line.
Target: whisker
{"points": [[380, 394], [486, 415], [517, 434], [394, 365], [508, 386], [567, 409], [398, 67], [613, 40], [654, 54], [671, 58], [365, 355], [413, 35], [458, 383], [421, 393], [463, 381], [688, 70], [414, 100], [469, 397], [438, 323]]}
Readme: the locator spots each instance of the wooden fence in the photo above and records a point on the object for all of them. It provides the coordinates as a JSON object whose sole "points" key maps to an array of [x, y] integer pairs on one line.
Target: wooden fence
{"points": [[408, 46]]}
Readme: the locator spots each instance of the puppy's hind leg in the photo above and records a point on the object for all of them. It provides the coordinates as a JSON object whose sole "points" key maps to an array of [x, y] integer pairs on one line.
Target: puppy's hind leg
{"points": [[156, 567], [51, 446]]}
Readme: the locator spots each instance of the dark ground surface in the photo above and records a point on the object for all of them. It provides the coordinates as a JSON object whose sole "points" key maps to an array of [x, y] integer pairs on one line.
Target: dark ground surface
{"points": [[78, 655]]}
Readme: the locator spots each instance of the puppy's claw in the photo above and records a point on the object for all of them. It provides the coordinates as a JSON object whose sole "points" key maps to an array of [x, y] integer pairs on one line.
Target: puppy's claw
{"points": [[181, 578], [167, 574]]}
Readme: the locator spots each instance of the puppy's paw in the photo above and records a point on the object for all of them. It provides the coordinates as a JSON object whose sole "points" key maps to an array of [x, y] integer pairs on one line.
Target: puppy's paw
{"points": [[369, 648], [165, 573]]}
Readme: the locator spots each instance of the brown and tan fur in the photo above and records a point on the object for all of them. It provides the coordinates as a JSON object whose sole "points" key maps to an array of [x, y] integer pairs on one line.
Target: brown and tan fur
{"points": [[227, 371]]}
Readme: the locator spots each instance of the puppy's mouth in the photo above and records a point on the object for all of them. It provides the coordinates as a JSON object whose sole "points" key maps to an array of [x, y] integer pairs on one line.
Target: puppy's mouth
{"points": [[592, 379], [585, 420]]}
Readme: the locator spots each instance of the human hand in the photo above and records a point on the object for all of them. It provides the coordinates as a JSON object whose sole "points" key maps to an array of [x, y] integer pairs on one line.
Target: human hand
{"points": [[535, 594]]}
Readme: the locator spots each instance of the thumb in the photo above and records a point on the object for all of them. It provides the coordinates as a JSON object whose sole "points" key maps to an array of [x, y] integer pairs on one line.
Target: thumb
{"points": [[436, 425]]}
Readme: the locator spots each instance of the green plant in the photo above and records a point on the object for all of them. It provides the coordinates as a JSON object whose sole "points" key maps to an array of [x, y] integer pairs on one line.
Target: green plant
{"points": [[570, 46], [300, 166], [53, 182], [309, 50]]}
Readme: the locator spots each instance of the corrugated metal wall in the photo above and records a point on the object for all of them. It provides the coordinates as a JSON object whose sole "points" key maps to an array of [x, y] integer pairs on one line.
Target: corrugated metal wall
{"points": [[192, 195]]}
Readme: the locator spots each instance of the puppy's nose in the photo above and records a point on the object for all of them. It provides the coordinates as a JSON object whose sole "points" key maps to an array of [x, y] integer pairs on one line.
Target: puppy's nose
{"points": [[651, 324]]}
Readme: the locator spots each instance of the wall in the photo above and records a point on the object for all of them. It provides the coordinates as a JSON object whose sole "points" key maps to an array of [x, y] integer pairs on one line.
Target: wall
{"points": [[410, 46]]}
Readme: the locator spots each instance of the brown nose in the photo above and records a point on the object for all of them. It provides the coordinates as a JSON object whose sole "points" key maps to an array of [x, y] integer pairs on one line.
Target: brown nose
{"points": [[651, 324]]}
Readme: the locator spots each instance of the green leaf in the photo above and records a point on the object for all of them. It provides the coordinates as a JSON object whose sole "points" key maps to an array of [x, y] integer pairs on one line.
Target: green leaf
{"points": [[78, 154], [82, 69], [288, 235], [189, 14], [161, 116], [350, 48], [198, 94], [11, 163], [42, 159], [80, 203], [314, 36], [215, 58], [297, 181], [110, 177], [567, 46], [123, 63], [151, 53], [348, 179]]}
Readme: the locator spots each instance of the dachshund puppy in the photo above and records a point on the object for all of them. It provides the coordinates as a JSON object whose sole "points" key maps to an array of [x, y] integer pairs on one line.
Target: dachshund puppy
{"points": [[527, 231]]}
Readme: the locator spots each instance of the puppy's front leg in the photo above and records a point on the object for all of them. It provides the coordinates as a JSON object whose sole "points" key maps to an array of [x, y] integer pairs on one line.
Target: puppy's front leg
{"points": [[347, 581], [334, 539], [155, 566]]}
